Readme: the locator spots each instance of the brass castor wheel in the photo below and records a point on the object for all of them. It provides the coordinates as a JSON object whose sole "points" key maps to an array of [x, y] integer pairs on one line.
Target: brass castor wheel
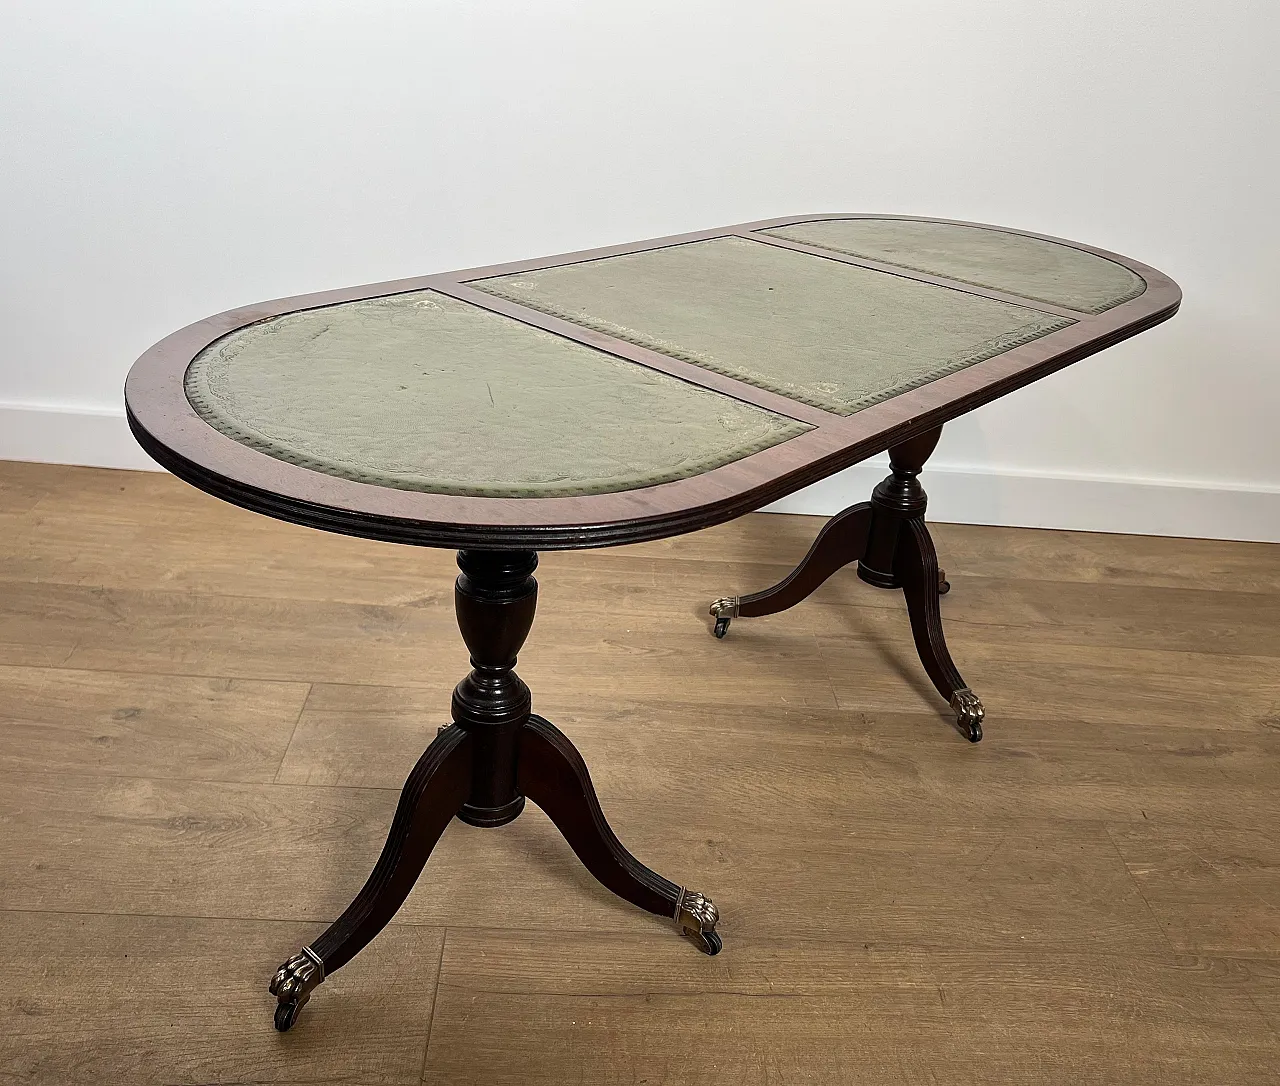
{"points": [[696, 917], [708, 942], [286, 1015], [292, 985], [723, 610], [944, 586], [969, 714]]}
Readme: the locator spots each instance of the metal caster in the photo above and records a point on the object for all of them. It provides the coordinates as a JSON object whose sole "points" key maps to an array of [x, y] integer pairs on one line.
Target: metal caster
{"points": [[696, 917], [723, 611], [708, 942], [286, 1015], [944, 586], [969, 713], [292, 986]]}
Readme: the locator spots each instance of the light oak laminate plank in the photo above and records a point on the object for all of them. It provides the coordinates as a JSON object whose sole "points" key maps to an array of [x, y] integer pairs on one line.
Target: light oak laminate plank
{"points": [[776, 1012], [55, 719], [131, 1000]]}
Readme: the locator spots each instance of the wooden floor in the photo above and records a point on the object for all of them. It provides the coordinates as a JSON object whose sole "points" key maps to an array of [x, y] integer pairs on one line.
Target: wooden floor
{"points": [[206, 716]]}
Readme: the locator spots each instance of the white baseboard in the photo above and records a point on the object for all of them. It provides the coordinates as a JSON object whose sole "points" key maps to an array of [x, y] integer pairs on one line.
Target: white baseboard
{"points": [[49, 434], [1074, 502], [101, 438]]}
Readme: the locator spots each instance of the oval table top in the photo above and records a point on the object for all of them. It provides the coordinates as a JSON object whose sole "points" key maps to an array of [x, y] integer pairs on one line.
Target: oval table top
{"points": [[626, 393]]}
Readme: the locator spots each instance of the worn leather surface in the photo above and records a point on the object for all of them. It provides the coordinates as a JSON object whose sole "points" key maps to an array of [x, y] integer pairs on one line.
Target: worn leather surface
{"points": [[829, 334], [1028, 267], [421, 392]]}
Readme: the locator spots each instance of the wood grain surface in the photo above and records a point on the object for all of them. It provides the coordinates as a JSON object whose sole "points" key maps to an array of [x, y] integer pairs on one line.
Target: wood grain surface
{"points": [[206, 717]]}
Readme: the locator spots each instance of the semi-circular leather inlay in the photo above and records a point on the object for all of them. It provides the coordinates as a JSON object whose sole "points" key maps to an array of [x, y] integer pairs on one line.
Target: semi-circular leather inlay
{"points": [[419, 391], [1031, 268]]}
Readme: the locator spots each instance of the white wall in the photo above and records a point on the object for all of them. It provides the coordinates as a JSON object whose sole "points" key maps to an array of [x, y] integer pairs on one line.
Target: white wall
{"points": [[167, 160]]}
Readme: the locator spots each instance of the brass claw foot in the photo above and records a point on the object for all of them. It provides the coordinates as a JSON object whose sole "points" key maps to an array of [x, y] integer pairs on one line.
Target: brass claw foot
{"points": [[722, 611], [969, 713], [696, 917], [293, 983]]}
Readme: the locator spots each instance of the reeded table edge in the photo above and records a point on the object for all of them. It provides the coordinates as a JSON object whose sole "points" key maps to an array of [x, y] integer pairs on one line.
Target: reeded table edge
{"points": [[169, 430]]}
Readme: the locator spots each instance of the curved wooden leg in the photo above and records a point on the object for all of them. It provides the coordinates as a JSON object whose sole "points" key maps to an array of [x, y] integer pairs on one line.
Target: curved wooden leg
{"points": [[553, 775], [841, 541], [916, 569], [433, 794]]}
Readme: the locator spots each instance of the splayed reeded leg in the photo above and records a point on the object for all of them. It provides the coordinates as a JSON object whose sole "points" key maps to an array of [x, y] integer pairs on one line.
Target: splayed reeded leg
{"points": [[916, 566], [431, 797], [888, 539], [554, 776], [841, 541]]}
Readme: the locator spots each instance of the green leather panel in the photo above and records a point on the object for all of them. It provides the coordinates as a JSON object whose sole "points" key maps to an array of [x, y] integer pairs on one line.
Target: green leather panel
{"points": [[1041, 271], [829, 334], [422, 392]]}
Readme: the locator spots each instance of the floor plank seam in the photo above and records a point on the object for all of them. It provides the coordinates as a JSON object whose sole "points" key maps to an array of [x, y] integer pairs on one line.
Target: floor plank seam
{"points": [[435, 996], [284, 754], [642, 935], [37, 774], [1164, 935]]}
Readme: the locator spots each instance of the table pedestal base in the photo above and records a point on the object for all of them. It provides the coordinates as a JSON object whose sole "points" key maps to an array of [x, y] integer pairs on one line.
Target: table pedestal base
{"points": [[481, 768], [888, 539]]}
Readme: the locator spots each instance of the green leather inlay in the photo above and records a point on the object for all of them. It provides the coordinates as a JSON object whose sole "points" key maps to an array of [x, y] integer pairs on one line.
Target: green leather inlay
{"points": [[829, 334], [423, 392], [1041, 271]]}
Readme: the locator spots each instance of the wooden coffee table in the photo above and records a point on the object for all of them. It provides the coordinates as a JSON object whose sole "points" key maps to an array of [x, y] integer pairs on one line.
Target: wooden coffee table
{"points": [[615, 396]]}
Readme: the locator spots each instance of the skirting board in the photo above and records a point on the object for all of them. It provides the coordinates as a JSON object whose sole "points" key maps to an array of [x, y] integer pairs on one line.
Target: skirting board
{"points": [[98, 438], [69, 435], [1072, 502]]}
